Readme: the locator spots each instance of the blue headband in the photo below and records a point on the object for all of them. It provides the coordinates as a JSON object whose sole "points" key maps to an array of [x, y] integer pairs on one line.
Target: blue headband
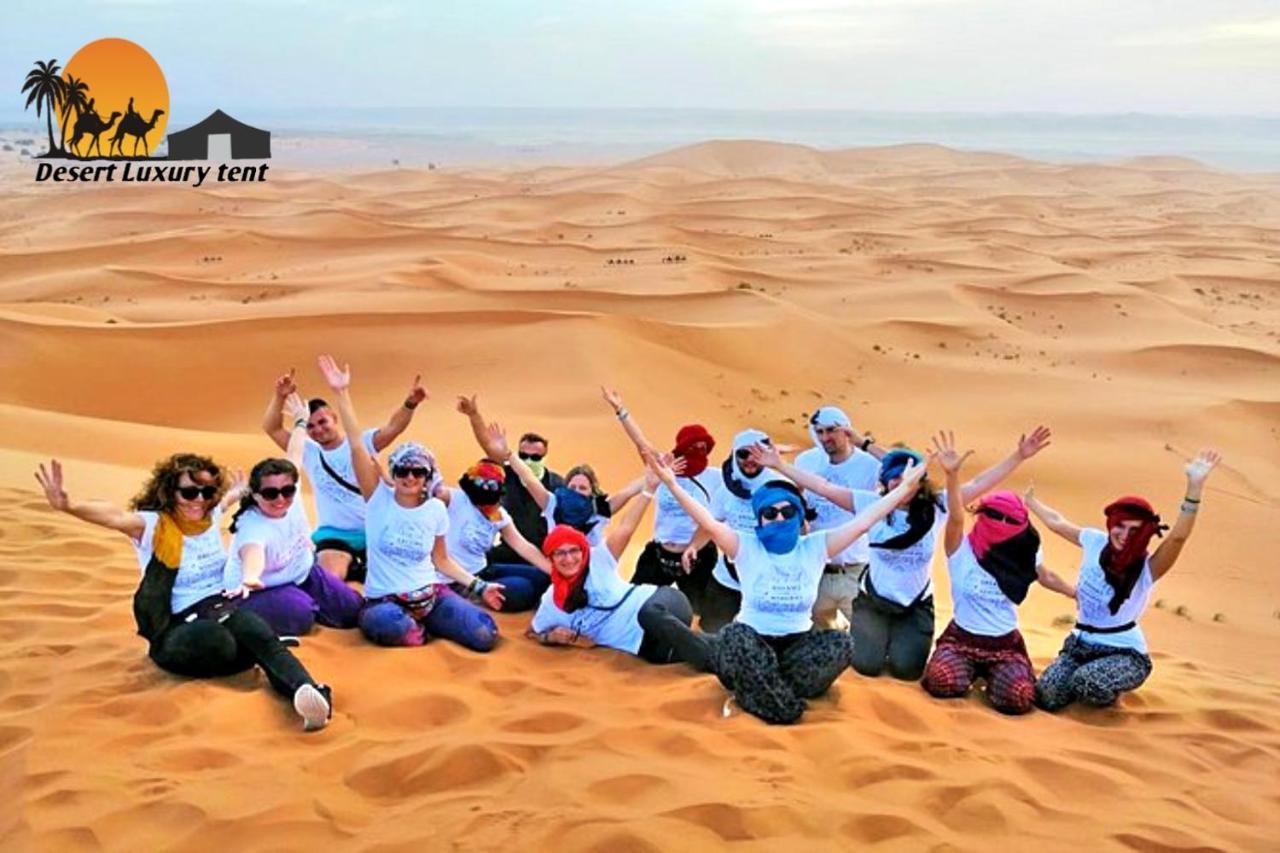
{"points": [[895, 462], [770, 494]]}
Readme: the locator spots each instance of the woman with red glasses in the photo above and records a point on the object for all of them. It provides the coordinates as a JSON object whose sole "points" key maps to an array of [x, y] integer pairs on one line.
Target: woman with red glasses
{"points": [[407, 595], [192, 627], [273, 559], [1106, 654], [991, 571]]}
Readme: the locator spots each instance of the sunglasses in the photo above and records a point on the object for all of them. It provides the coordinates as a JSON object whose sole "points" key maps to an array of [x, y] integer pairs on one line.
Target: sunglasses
{"points": [[786, 513], [487, 483], [531, 457], [190, 493], [566, 553], [997, 515], [411, 471], [271, 492]]}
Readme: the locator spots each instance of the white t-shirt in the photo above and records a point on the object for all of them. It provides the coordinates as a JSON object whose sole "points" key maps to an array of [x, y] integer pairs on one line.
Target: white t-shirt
{"points": [[778, 590], [900, 575], [203, 570], [286, 545], [399, 543], [859, 471], [471, 532], [671, 523], [595, 538], [980, 605], [336, 505], [737, 513], [1093, 596], [611, 615]]}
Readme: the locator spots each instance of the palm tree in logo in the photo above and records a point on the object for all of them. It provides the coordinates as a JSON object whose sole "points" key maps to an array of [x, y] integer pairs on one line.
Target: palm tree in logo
{"points": [[73, 98], [46, 87]]}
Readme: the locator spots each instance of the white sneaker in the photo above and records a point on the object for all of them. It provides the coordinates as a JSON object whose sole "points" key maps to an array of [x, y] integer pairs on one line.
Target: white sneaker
{"points": [[313, 706]]}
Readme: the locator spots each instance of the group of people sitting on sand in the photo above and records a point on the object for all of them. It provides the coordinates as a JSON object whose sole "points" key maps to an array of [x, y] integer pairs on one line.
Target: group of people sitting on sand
{"points": [[795, 571]]}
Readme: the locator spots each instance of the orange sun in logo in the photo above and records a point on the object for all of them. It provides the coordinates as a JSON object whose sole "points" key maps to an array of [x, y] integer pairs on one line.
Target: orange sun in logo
{"points": [[123, 107]]}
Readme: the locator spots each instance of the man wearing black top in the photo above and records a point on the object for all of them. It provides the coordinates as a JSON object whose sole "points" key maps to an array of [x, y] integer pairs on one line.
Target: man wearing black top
{"points": [[524, 511]]}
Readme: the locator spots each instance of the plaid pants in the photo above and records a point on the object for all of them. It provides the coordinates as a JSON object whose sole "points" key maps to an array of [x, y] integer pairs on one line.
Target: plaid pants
{"points": [[960, 658], [1090, 673], [771, 677]]}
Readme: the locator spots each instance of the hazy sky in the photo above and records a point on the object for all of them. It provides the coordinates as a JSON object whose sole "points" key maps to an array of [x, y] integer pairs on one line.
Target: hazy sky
{"points": [[1160, 56]]}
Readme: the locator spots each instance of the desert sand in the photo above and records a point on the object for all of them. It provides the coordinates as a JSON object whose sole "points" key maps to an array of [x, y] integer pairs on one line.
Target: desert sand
{"points": [[1133, 307]]}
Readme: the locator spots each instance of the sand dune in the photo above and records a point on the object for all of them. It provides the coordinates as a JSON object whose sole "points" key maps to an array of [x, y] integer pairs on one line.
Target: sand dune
{"points": [[1132, 306]]}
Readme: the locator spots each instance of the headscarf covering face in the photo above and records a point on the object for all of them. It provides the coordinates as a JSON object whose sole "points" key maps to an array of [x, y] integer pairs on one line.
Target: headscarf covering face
{"points": [[734, 480], [1006, 547], [695, 459], [484, 483], [827, 416], [569, 593], [575, 509], [1123, 568], [921, 511], [413, 455], [781, 536]]}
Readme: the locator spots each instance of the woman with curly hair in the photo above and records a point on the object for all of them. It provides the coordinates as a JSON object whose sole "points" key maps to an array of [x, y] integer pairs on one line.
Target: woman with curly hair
{"points": [[180, 607]]}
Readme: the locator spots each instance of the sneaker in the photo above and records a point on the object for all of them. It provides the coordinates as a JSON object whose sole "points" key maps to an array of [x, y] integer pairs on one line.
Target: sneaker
{"points": [[314, 703]]}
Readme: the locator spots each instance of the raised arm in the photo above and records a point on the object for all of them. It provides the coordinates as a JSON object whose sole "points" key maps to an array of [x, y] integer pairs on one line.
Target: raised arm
{"points": [[629, 425], [296, 411], [864, 442], [471, 409], [1051, 580], [238, 488], [101, 513], [769, 457], [944, 450], [401, 417], [619, 499], [725, 537], [1028, 446], [846, 534], [1198, 470], [500, 451], [339, 379], [285, 385], [1052, 519], [526, 549], [624, 526]]}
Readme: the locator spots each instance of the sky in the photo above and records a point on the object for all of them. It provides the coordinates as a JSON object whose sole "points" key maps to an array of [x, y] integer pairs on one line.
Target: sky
{"points": [[1202, 57]]}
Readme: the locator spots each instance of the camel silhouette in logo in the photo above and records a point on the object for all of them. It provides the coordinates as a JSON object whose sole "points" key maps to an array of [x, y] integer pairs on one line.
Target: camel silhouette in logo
{"points": [[133, 125], [91, 123]]}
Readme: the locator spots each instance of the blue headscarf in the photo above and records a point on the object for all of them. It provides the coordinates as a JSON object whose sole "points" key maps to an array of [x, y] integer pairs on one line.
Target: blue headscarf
{"points": [[893, 463], [778, 537], [921, 512], [574, 509]]}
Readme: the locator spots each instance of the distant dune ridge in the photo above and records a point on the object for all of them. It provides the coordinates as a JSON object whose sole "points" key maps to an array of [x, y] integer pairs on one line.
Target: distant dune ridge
{"points": [[1134, 307]]}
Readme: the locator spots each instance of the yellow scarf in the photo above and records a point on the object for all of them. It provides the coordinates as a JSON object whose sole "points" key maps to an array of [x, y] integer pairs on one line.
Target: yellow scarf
{"points": [[166, 543]]}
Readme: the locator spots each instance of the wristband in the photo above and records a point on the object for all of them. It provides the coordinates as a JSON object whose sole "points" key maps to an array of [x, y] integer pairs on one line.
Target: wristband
{"points": [[1191, 500], [647, 493], [300, 422], [410, 404], [1190, 508], [623, 414], [867, 442]]}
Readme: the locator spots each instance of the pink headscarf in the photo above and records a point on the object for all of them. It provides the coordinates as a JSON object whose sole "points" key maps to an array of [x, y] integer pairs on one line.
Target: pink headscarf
{"points": [[989, 531]]}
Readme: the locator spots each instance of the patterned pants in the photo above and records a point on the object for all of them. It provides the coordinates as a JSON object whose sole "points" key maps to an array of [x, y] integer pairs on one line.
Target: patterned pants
{"points": [[771, 677], [1090, 673], [961, 657]]}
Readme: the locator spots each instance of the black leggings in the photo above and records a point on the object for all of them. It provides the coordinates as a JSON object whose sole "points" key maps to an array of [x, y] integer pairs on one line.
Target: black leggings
{"points": [[666, 618], [208, 648], [772, 676], [661, 567], [891, 639], [720, 605]]}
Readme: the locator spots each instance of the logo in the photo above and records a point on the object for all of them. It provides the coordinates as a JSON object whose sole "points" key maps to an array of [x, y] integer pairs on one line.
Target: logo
{"points": [[111, 103]]}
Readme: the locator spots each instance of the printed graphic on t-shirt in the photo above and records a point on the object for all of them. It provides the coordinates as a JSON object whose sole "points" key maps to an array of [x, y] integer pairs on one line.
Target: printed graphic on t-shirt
{"points": [[405, 541]]}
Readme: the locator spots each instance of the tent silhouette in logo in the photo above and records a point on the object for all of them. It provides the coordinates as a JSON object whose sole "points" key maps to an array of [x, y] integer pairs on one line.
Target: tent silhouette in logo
{"points": [[247, 143]]}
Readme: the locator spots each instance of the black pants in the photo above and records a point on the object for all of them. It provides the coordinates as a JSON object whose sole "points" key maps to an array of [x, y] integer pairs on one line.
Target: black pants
{"points": [[208, 648], [666, 618], [661, 567], [771, 677], [890, 637], [720, 605]]}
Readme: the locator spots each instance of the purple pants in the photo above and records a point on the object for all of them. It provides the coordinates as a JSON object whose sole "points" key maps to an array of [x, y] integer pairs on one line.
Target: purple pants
{"points": [[453, 617], [294, 608]]}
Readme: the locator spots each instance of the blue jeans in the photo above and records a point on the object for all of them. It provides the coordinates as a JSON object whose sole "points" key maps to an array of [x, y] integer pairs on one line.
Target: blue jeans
{"points": [[453, 618], [523, 585]]}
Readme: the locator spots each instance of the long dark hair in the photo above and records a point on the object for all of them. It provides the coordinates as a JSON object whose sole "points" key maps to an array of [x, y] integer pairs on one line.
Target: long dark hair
{"points": [[265, 468], [160, 492]]}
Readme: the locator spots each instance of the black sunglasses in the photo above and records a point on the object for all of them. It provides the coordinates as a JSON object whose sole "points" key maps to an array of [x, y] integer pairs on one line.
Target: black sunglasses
{"points": [[411, 471], [787, 512], [271, 492], [190, 493], [531, 457], [997, 515]]}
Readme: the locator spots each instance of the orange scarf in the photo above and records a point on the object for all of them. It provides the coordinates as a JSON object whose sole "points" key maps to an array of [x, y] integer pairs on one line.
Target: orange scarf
{"points": [[166, 543]]}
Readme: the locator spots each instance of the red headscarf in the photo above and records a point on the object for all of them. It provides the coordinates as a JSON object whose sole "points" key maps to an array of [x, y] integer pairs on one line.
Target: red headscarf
{"points": [[569, 592], [1122, 568], [988, 531], [694, 462]]}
